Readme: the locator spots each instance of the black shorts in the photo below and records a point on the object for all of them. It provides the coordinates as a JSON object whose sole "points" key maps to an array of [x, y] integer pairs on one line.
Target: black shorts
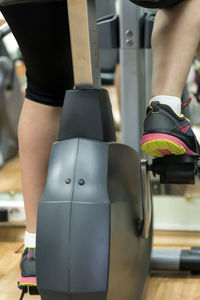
{"points": [[42, 32], [156, 4]]}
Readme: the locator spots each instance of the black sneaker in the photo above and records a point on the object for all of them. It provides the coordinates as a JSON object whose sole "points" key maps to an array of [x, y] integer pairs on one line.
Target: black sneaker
{"points": [[165, 133], [28, 268], [197, 81]]}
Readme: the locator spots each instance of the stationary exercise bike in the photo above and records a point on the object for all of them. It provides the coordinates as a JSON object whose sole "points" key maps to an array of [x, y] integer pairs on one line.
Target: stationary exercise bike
{"points": [[94, 231]]}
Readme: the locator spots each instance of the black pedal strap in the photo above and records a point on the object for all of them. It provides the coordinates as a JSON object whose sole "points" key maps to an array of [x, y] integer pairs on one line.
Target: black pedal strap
{"points": [[22, 294]]}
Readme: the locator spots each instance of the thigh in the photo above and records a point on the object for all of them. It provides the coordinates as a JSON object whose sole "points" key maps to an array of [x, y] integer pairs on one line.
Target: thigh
{"points": [[42, 32]]}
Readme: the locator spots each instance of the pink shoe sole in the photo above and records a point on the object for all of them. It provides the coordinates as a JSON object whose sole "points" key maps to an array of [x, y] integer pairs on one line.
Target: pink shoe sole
{"points": [[28, 281], [159, 144]]}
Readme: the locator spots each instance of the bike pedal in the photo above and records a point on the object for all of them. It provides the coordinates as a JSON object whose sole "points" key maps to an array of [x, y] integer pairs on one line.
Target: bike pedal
{"points": [[22, 287], [31, 290]]}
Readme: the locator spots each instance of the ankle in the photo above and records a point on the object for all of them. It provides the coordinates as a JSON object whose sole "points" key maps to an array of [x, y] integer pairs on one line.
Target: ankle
{"points": [[173, 102], [29, 239]]}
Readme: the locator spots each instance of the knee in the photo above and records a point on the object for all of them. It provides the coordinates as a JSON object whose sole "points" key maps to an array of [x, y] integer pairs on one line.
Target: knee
{"points": [[177, 20]]}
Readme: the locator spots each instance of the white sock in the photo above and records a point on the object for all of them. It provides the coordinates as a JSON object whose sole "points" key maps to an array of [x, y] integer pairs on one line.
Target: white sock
{"points": [[197, 64], [29, 239], [173, 102]]}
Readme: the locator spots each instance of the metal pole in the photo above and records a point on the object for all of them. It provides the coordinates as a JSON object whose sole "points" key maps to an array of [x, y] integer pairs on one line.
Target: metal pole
{"points": [[132, 73], [83, 33]]}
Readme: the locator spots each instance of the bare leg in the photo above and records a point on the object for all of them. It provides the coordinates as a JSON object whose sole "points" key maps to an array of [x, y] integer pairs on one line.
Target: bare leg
{"points": [[198, 53], [175, 39], [38, 129]]}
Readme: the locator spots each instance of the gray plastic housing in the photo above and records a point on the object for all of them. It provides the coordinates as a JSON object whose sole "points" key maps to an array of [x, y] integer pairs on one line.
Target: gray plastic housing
{"points": [[89, 222], [87, 113]]}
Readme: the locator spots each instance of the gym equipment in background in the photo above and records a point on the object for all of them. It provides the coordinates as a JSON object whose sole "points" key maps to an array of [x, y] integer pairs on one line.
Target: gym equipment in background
{"points": [[11, 100], [108, 39], [176, 260], [12, 209]]}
